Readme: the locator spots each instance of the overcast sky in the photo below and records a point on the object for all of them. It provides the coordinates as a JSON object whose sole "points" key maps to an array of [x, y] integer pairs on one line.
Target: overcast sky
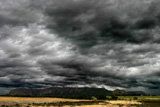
{"points": [[113, 44]]}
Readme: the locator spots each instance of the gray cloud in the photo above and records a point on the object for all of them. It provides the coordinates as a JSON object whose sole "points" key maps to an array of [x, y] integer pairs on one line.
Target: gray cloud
{"points": [[16, 13], [89, 23], [111, 44]]}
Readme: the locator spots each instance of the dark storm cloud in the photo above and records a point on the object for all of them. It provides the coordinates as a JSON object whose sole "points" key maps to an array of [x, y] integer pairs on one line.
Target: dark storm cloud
{"points": [[89, 23], [79, 71], [107, 43]]}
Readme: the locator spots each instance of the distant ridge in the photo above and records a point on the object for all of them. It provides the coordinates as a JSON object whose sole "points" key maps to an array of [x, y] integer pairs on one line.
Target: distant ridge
{"points": [[59, 91], [70, 91], [118, 92]]}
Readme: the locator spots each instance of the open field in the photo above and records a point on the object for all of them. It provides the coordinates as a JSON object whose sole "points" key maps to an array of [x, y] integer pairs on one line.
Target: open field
{"points": [[27, 100], [140, 98], [32, 99], [59, 102]]}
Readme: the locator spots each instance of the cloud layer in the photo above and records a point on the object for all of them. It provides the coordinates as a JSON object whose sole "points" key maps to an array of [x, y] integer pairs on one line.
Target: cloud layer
{"points": [[108, 43]]}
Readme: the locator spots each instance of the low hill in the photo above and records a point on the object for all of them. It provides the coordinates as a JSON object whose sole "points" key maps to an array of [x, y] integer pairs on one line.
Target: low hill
{"points": [[136, 93], [59, 92], [118, 92], [68, 92]]}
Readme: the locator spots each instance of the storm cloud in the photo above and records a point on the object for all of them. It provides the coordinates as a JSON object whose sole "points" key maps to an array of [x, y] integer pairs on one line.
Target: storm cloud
{"points": [[78, 43]]}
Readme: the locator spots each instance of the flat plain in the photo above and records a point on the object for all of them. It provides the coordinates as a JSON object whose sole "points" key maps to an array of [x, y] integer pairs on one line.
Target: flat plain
{"points": [[123, 101]]}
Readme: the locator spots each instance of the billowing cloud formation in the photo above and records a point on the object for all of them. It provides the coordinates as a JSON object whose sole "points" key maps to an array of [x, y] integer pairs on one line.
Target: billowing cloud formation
{"points": [[107, 43]]}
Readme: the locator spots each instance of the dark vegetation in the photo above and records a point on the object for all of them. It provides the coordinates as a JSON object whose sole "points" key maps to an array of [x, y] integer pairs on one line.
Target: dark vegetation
{"points": [[57, 104], [151, 103]]}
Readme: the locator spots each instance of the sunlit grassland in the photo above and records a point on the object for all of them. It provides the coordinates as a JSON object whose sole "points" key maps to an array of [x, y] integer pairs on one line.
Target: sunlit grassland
{"points": [[122, 101]]}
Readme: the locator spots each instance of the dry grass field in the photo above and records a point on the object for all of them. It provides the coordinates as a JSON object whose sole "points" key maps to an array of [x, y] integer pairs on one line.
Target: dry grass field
{"points": [[34, 99], [61, 102], [29, 100]]}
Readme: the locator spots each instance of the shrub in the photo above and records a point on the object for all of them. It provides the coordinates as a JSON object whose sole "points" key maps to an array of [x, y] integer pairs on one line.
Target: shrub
{"points": [[114, 98], [94, 98], [135, 98], [108, 97]]}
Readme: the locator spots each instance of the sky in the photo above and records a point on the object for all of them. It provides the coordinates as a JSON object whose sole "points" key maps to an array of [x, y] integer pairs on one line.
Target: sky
{"points": [[112, 44]]}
